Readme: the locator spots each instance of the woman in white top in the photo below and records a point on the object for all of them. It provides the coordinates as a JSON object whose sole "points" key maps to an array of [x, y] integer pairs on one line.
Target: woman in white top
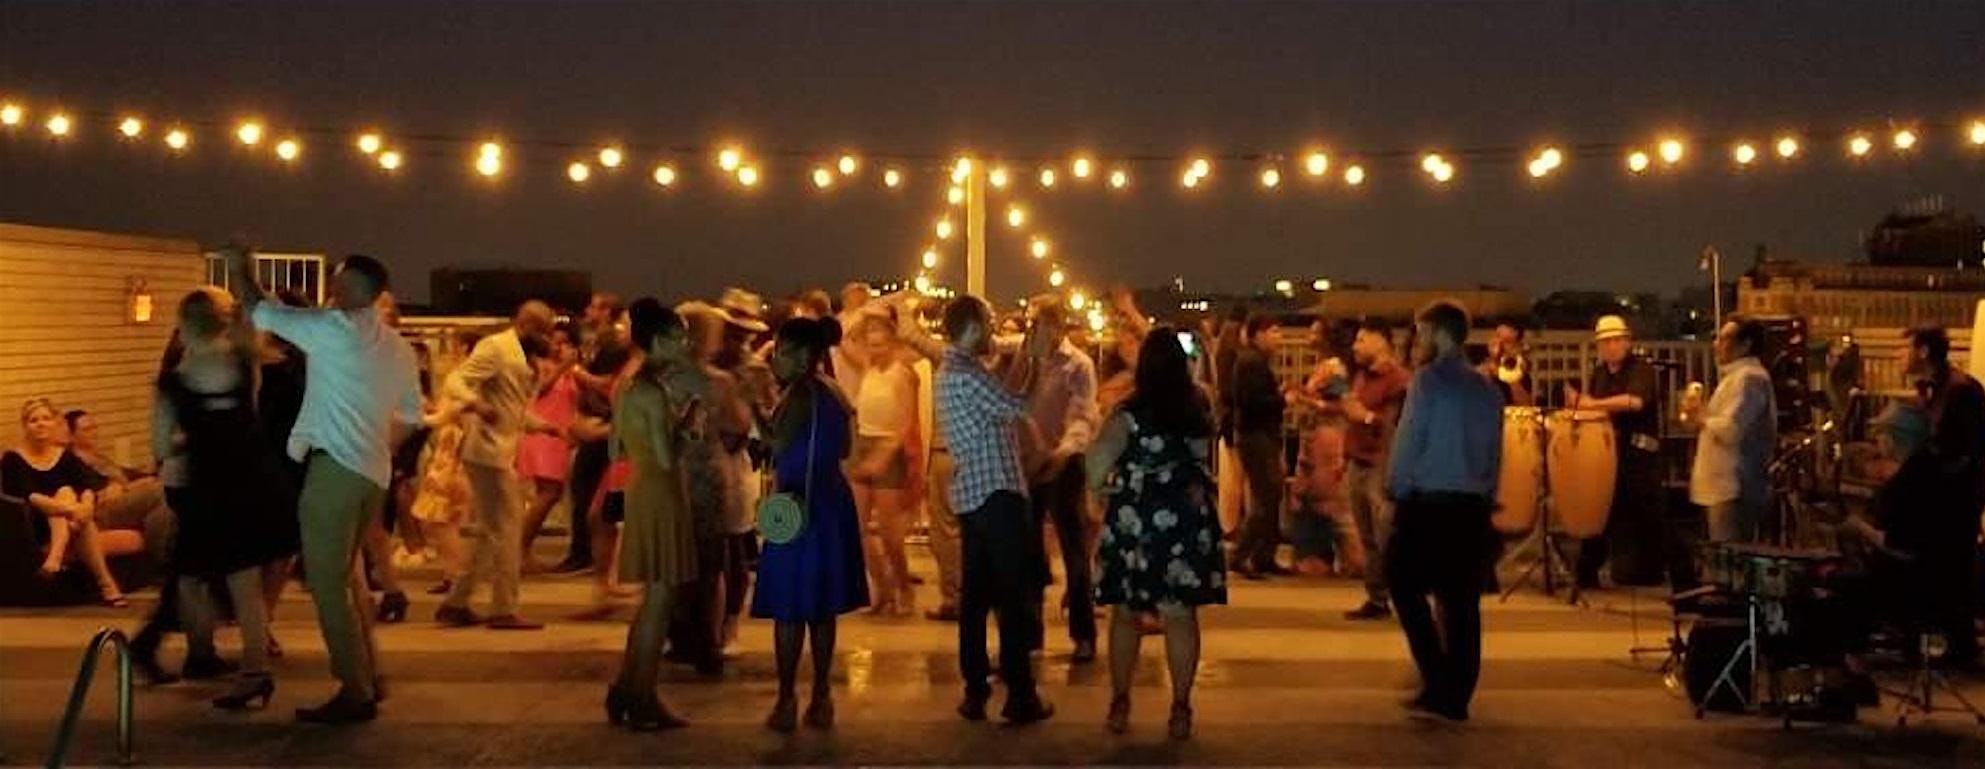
{"points": [[885, 470]]}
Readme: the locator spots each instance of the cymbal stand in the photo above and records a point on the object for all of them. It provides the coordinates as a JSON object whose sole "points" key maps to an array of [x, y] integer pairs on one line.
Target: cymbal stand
{"points": [[1924, 683], [1551, 564]]}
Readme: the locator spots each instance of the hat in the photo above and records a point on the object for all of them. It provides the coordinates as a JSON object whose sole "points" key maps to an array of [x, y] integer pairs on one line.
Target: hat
{"points": [[743, 309], [1610, 327]]}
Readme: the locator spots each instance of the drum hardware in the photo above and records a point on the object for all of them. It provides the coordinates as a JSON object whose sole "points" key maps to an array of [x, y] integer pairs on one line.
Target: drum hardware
{"points": [[1920, 692], [1726, 678]]}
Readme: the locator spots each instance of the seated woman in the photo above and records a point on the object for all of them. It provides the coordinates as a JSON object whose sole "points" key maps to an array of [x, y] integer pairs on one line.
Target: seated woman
{"points": [[132, 498], [62, 490]]}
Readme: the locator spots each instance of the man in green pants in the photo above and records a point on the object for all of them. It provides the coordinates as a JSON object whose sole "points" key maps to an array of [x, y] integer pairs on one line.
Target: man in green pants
{"points": [[361, 396]]}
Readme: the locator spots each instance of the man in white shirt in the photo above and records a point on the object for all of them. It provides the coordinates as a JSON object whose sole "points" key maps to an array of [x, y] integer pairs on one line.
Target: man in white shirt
{"points": [[1738, 432], [496, 385], [361, 396]]}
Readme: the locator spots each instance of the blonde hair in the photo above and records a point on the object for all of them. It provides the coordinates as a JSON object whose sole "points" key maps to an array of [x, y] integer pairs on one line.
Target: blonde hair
{"points": [[206, 311], [36, 404]]}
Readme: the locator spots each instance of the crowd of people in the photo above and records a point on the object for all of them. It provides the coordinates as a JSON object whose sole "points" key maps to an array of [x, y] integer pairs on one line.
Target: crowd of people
{"points": [[307, 441]]}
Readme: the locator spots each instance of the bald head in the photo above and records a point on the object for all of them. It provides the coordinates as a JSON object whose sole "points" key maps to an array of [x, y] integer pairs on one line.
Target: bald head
{"points": [[534, 318]]}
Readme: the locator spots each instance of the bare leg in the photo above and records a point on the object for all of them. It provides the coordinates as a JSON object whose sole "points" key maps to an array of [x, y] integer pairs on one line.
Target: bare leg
{"points": [[275, 579], [1181, 649], [59, 530], [547, 495], [892, 513], [91, 548], [880, 586], [1125, 646], [379, 553]]}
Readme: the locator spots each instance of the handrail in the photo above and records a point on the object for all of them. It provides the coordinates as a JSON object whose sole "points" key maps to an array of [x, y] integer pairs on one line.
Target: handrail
{"points": [[117, 640]]}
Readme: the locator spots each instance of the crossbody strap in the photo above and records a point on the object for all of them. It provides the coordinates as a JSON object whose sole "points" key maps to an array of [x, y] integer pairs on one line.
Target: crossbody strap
{"points": [[813, 435]]}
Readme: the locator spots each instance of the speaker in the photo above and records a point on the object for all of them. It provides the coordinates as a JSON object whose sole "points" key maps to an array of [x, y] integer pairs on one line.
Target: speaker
{"points": [[1787, 358]]}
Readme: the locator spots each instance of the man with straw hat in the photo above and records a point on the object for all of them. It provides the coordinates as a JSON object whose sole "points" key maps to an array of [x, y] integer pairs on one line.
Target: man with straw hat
{"points": [[1623, 385]]}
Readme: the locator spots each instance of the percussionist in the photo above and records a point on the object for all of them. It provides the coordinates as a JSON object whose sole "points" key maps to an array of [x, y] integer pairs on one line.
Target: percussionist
{"points": [[1623, 386]]}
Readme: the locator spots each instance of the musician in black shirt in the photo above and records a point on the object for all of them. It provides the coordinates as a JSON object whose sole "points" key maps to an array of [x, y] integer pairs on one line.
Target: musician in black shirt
{"points": [[1623, 385]]}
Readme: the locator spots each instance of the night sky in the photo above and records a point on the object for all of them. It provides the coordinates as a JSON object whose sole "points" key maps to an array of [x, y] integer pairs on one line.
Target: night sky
{"points": [[1013, 79]]}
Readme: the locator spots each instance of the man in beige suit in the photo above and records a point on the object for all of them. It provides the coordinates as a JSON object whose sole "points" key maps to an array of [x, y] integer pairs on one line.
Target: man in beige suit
{"points": [[496, 384]]}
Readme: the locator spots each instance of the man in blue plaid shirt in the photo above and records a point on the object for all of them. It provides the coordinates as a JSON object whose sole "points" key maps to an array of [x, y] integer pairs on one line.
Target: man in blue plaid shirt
{"points": [[981, 420]]}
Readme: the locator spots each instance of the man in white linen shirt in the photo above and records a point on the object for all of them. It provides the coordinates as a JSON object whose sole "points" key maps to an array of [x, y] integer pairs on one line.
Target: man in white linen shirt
{"points": [[1738, 432], [361, 396]]}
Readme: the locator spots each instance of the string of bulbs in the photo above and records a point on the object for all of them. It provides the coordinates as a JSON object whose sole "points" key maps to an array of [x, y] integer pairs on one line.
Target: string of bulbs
{"points": [[666, 165]]}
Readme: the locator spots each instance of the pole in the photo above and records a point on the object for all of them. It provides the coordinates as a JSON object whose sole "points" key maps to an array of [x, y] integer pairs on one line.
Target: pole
{"points": [[975, 233]]}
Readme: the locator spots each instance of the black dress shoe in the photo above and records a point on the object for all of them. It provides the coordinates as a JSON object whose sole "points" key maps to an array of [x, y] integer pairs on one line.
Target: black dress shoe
{"points": [[393, 608], [1085, 653], [1372, 610], [1028, 712], [340, 710], [973, 708], [207, 668]]}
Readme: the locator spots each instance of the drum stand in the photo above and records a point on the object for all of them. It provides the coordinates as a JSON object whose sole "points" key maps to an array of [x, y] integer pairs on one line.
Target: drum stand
{"points": [[1747, 652], [1920, 696], [1551, 558]]}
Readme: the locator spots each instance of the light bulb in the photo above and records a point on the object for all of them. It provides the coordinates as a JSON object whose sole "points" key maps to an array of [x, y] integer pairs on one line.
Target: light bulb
{"points": [[1744, 154], [1904, 140], [1431, 161], [59, 125], [1016, 216], [131, 127], [747, 175], [1047, 177], [944, 229], [823, 178], [1444, 173], [177, 139], [1859, 145], [1057, 278], [490, 149], [997, 177], [892, 178], [1551, 157], [665, 175], [729, 159], [1671, 151], [578, 172], [369, 143], [11, 114], [288, 150], [1788, 147], [390, 160], [611, 157], [489, 165], [1201, 167], [1039, 248], [1189, 180], [847, 165], [1119, 179], [1271, 178], [1081, 168], [955, 196], [1977, 132], [1317, 164], [1637, 161], [249, 134], [1354, 176]]}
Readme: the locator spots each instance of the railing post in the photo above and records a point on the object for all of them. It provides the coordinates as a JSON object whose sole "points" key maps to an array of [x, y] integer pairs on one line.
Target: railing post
{"points": [[78, 693]]}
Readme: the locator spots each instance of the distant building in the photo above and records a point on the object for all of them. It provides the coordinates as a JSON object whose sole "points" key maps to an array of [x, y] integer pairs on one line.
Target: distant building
{"points": [[1927, 232], [497, 292], [1837, 298], [1484, 303]]}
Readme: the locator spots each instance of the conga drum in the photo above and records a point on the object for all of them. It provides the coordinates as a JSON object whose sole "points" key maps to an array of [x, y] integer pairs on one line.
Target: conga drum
{"points": [[1583, 465], [1522, 472]]}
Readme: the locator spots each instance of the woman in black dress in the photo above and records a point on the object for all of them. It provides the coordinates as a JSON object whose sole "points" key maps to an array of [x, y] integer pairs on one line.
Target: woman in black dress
{"points": [[235, 513]]}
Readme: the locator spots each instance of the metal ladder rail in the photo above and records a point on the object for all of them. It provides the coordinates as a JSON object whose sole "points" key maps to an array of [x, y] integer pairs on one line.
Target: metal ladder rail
{"points": [[80, 691]]}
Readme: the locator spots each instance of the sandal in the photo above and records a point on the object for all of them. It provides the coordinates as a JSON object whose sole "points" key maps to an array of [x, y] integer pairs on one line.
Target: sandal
{"points": [[116, 601]]}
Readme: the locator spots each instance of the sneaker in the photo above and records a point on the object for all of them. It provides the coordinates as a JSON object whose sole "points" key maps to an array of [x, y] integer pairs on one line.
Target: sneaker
{"points": [[1372, 610]]}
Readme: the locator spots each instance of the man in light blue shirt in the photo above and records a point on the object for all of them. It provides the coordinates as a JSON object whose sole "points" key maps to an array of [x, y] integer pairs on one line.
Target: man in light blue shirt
{"points": [[1446, 458]]}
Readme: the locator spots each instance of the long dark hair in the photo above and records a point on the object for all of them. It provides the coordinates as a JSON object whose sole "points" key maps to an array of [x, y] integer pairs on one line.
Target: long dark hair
{"points": [[1167, 399]]}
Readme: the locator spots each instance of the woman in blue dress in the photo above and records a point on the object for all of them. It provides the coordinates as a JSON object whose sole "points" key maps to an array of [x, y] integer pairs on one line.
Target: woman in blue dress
{"points": [[805, 584]]}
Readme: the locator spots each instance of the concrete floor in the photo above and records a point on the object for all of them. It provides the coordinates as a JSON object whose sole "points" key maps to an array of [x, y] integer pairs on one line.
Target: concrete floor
{"points": [[1285, 681]]}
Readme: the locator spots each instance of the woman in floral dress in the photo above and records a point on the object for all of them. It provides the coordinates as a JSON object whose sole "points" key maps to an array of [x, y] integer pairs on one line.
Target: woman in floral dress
{"points": [[1160, 550]]}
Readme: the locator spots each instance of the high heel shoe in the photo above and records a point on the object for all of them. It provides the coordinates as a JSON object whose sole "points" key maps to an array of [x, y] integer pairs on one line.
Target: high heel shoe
{"points": [[252, 694], [617, 705], [1181, 725], [393, 608], [1118, 721]]}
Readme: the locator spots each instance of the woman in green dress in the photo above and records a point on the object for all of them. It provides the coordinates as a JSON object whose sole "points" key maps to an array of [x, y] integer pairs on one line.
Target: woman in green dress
{"points": [[652, 422]]}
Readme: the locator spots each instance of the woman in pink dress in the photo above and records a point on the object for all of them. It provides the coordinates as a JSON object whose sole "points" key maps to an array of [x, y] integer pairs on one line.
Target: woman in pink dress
{"points": [[546, 458]]}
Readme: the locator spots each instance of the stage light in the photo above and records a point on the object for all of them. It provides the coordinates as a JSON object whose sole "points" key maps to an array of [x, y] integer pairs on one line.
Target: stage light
{"points": [[997, 177], [1047, 177], [59, 125], [1039, 248], [823, 178], [1672, 151], [288, 150], [131, 127], [611, 157], [747, 175], [1859, 145], [1015, 216], [1744, 154], [249, 134], [1271, 178], [1355, 175], [1317, 164], [1904, 140], [1081, 168], [489, 165], [847, 165], [1788, 147], [1637, 161], [665, 175], [578, 172], [390, 160], [177, 139], [892, 178]]}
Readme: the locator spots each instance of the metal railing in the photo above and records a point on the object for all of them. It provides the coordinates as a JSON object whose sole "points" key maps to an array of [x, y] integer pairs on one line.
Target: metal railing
{"points": [[126, 756]]}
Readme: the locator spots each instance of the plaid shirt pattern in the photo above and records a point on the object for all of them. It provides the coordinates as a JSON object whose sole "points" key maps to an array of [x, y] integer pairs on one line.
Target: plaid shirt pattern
{"points": [[978, 419]]}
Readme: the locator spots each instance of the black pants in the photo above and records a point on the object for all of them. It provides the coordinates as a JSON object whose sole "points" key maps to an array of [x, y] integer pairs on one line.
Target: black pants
{"points": [[1002, 576], [1440, 545], [1064, 500], [589, 468], [1638, 539], [1261, 530]]}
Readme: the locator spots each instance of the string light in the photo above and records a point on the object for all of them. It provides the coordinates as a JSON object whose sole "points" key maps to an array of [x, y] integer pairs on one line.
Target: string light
{"points": [[664, 175], [1096, 321], [1039, 248], [1317, 164], [1355, 175], [1437, 167], [822, 178], [489, 164], [176, 139], [1082, 167], [847, 165], [1057, 277], [249, 133], [1544, 162], [1977, 132], [490, 150], [923, 284], [1788, 147], [1190, 180], [288, 150], [1047, 177], [1119, 179], [930, 259], [955, 196], [892, 178], [1076, 301], [747, 175], [1859, 145], [59, 125], [1744, 153], [1537, 168], [390, 160], [578, 172], [1444, 174], [961, 170], [944, 229], [11, 114], [1637, 161], [1201, 167], [1672, 151], [370, 143], [1904, 140], [730, 159], [1431, 161], [611, 157], [997, 177], [131, 127], [1271, 178], [1015, 216]]}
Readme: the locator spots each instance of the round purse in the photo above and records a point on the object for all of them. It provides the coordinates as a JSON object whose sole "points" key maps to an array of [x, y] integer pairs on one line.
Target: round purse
{"points": [[782, 516]]}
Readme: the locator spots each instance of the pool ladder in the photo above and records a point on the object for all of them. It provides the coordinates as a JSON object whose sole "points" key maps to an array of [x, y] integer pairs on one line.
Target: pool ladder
{"points": [[117, 641]]}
